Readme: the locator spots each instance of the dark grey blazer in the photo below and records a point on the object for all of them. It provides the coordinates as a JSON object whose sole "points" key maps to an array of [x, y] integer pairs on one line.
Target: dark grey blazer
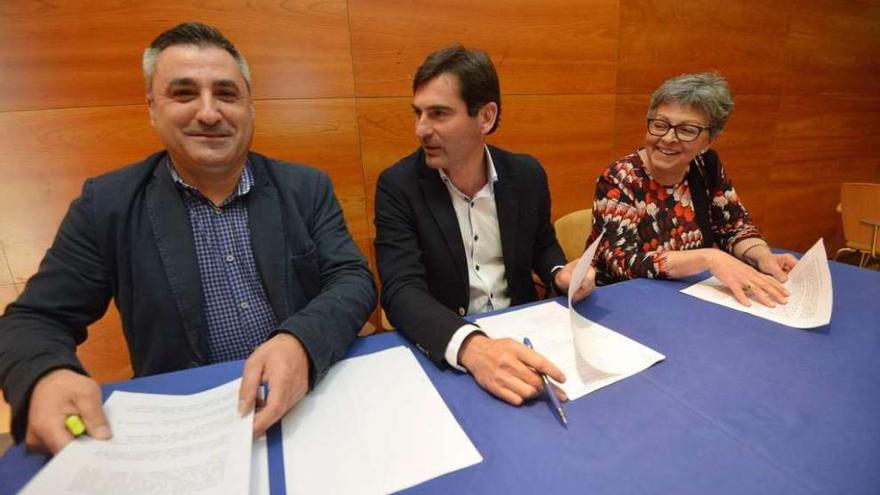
{"points": [[420, 254], [128, 237]]}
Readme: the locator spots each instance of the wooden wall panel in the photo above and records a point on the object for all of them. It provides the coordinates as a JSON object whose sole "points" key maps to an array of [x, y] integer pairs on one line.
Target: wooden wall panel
{"points": [[821, 141], [840, 131], [744, 40], [747, 148], [5, 273], [87, 53], [387, 134], [629, 124], [569, 47], [795, 222], [8, 293], [571, 135], [833, 48], [46, 156], [322, 133], [104, 354]]}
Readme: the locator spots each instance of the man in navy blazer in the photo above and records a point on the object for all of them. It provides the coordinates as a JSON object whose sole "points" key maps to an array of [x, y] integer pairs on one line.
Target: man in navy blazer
{"points": [[460, 226], [210, 252]]}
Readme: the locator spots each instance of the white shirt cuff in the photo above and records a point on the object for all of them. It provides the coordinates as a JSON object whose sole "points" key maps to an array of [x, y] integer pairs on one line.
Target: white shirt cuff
{"points": [[455, 342], [553, 272]]}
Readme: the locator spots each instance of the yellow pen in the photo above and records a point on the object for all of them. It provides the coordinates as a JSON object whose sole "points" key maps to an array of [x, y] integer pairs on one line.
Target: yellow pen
{"points": [[75, 425]]}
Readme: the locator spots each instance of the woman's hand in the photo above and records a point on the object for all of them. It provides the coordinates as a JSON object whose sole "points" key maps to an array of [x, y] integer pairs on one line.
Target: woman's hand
{"points": [[777, 265], [745, 282]]}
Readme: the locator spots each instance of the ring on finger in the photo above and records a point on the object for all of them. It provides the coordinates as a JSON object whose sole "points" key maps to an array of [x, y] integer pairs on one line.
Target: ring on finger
{"points": [[747, 289]]}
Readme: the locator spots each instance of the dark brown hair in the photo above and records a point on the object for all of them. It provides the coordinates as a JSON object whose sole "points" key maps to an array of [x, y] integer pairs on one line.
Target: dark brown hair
{"points": [[477, 79]]}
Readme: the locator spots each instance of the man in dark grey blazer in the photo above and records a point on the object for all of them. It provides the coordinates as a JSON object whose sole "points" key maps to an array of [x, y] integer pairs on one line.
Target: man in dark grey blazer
{"points": [[210, 252], [460, 226]]}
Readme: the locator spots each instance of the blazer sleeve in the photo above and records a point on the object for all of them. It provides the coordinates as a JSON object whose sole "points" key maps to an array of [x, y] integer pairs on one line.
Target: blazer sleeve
{"points": [[40, 331], [730, 220], [406, 295], [331, 320]]}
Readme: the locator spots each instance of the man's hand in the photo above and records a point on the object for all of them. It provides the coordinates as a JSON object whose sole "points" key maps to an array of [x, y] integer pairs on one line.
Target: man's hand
{"points": [[57, 395], [746, 282], [283, 364], [563, 280], [507, 369]]}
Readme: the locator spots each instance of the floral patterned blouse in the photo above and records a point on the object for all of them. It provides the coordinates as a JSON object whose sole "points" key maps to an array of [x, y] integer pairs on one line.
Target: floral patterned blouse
{"points": [[643, 219]]}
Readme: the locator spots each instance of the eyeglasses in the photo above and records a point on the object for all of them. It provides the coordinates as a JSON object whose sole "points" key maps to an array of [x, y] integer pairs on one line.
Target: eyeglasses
{"points": [[683, 132]]}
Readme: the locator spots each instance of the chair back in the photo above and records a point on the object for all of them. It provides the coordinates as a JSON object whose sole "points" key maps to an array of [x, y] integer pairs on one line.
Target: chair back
{"points": [[859, 212], [572, 231]]}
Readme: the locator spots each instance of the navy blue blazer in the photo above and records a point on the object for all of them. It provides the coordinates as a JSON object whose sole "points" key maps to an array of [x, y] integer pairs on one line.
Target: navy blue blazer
{"points": [[420, 254], [128, 237]]}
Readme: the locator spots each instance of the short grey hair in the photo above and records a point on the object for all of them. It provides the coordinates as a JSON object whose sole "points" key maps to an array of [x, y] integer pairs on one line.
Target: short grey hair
{"points": [[191, 33], [707, 92]]}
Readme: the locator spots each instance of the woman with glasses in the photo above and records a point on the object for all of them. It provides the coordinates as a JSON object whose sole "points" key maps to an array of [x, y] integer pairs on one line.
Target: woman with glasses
{"points": [[668, 210]]}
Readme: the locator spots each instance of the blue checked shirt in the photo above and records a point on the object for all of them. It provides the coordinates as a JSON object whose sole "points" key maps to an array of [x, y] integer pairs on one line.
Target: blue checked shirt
{"points": [[236, 306]]}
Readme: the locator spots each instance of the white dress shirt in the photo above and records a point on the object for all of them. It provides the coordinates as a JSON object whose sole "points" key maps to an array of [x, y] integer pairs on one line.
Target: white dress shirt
{"points": [[478, 222]]}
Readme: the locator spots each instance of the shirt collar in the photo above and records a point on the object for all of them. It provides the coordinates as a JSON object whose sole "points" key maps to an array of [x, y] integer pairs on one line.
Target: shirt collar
{"points": [[491, 173], [244, 183]]}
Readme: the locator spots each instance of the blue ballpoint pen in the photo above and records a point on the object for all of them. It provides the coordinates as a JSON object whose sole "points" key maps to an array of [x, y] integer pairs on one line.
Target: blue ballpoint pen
{"points": [[548, 387]]}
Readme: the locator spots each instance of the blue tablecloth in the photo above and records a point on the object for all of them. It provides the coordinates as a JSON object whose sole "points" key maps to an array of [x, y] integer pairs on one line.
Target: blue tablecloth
{"points": [[741, 405]]}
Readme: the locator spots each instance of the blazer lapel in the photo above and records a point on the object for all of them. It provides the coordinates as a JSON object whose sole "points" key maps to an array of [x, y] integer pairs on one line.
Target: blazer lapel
{"points": [[174, 239], [267, 238], [507, 206], [440, 204]]}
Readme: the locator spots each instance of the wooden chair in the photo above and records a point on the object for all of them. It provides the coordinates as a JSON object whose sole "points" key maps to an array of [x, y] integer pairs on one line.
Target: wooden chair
{"points": [[860, 213], [572, 231]]}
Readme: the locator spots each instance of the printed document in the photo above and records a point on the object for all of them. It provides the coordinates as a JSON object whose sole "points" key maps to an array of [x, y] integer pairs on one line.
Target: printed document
{"points": [[590, 355], [161, 444], [260, 467], [809, 285], [593, 345], [375, 424], [548, 326]]}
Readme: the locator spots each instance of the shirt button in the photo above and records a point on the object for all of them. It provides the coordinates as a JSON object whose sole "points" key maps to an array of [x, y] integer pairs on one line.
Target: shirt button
{"points": [[477, 267], [230, 258], [217, 211], [461, 311], [476, 238], [244, 305], [472, 204]]}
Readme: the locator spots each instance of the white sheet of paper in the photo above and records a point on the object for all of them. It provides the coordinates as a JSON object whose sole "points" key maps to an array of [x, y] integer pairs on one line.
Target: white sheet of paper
{"points": [[548, 326], [582, 267], [161, 444], [809, 284], [375, 424], [596, 347], [259, 467]]}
